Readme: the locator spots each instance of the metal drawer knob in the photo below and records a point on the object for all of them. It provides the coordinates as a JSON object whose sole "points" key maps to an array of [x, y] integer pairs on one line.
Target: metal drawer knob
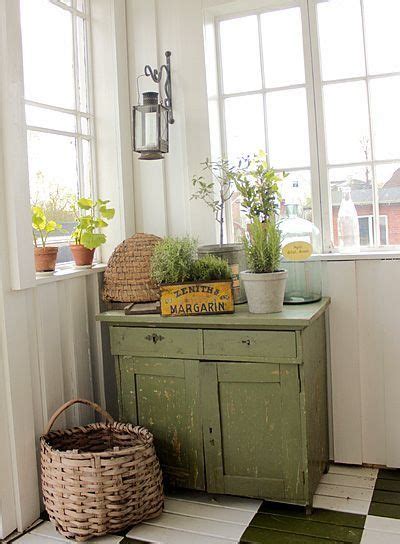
{"points": [[154, 338], [247, 342]]}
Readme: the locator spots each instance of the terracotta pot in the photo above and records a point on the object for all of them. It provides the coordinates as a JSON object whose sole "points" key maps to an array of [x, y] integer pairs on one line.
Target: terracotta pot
{"points": [[45, 258], [82, 255]]}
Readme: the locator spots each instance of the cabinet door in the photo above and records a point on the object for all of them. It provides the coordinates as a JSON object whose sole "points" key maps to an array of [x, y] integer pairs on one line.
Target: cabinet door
{"points": [[163, 395], [252, 430]]}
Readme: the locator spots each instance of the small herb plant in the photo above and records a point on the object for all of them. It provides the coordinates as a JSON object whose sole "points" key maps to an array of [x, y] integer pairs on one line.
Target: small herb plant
{"points": [[42, 227], [90, 216], [175, 261], [217, 190], [263, 247], [257, 183], [209, 268]]}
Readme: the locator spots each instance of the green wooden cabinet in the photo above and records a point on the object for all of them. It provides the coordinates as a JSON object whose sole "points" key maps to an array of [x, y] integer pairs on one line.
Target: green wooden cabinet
{"points": [[237, 403]]}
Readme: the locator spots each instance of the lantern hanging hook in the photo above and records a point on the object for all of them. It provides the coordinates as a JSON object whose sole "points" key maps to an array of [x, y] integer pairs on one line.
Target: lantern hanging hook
{"points": [[156, 75]]}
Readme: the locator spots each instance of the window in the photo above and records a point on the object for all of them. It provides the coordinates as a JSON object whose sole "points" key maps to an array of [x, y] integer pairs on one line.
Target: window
{"points": [[316, 83], [59, 118]]}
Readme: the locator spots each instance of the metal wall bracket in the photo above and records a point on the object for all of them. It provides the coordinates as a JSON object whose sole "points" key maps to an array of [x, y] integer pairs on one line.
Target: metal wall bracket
{"points": [[156, 75]]}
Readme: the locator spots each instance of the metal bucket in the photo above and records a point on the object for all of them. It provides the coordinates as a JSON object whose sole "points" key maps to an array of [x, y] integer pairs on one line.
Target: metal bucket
{"points": [[234, 254]]}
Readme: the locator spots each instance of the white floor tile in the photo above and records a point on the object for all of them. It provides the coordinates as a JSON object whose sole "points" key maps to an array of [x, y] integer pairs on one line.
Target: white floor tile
{"points": [[36, 539], [352, 506], [375, 537], [161, 535], [350, 481], [228, 501], [345, 492], [350, 470], [378, 523], [199, 526], [48, 530], [208, 511]]}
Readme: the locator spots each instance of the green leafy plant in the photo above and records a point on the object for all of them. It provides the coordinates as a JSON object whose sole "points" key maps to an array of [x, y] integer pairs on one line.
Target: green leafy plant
{"points": [[91, 216], [174, 261], [263, 246], [42, 226], [211, 267], [217, 189], [257, 182]]}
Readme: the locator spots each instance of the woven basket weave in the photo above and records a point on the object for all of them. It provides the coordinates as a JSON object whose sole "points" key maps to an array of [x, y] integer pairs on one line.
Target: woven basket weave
{"points": [[127, 276], [101, 478]]}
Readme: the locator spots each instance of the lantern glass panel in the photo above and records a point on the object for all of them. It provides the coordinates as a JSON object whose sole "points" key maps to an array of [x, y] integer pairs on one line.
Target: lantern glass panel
{"points": [[163, 129], [146, 128]]}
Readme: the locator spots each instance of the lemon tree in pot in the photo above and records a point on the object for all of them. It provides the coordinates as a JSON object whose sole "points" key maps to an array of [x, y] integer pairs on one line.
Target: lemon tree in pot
{"points": [[264, 282], [90, 217], [45, 256]]}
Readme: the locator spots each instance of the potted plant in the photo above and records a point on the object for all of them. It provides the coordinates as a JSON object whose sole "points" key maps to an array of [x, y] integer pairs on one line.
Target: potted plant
{"points": [[188, 285], [90, 217], [215, 190], [264, 282], [45, 256]]}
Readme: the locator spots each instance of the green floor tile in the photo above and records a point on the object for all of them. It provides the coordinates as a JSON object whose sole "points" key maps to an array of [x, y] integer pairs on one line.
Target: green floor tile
{"points": [[389, 474], [307, 527], [387, 485], [386, 497], [254, 535], [325, 516], [384, 510]]}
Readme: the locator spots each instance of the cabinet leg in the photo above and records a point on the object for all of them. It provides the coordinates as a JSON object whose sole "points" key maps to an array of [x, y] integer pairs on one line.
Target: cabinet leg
{"points": [[309, 510]]}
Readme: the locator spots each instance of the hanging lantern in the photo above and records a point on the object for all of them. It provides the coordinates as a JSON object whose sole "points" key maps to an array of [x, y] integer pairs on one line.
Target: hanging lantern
{"points": [[152, 117]]}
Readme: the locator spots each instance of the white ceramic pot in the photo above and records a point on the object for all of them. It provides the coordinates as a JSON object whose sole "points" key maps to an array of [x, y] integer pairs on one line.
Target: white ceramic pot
{"points": [[264, 292]]}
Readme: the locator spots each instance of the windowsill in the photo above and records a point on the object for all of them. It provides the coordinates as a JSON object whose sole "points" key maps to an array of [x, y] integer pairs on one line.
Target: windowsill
{"points": [[69, 273], [362, 255]]}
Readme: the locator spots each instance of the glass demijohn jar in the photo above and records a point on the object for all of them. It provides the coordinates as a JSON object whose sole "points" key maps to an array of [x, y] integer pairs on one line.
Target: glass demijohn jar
{"points": [[300, 240]]}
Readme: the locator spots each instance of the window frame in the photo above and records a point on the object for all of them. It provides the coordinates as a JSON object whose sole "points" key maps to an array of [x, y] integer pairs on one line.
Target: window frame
{"points": [[314, 84], [79, 135]]}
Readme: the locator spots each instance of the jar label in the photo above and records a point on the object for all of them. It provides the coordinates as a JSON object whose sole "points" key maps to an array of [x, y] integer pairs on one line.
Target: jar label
{"points": [[235, 276], [297, 251]]}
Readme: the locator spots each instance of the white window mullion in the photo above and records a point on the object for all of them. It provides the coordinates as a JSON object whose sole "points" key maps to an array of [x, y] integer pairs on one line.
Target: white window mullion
{"points": [[324, 189]]}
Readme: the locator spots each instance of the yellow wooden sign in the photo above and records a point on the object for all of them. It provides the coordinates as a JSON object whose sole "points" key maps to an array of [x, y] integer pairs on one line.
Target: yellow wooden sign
{"points": [[297, 251], [211, 297]]}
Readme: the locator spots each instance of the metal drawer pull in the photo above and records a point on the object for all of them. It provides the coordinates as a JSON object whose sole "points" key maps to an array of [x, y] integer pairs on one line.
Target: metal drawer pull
{"points": [[248, 342], [154, 338]]}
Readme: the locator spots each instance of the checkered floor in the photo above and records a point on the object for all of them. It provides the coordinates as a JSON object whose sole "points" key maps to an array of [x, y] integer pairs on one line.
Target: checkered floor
{"points": [[352, 505]]}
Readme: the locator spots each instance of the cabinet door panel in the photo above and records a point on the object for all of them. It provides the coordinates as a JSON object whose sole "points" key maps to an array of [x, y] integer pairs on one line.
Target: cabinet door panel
{"points": [[252, 430], [167, 403]]}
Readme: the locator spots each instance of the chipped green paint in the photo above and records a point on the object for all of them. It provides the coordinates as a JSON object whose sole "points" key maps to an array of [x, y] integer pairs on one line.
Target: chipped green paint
{"points": [[239, 412]]}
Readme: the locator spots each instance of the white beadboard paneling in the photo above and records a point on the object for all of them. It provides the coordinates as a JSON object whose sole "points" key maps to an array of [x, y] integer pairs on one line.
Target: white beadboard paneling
{"points": [[96, 352], [341, 285], [371, 326]]}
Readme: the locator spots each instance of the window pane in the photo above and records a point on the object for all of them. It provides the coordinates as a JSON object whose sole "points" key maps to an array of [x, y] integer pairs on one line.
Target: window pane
{"points": [[385, 113], [48, 53], [382, 35], [296, 190], [388, 180], [44, 118], [240, 54], [52, 168], [287, 125], [82, 64], [244, 118], [284, 64], [341, 39], [359, 179], [346, 122]]}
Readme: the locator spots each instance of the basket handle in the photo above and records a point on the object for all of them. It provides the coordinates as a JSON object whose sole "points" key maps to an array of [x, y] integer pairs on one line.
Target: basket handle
{"points": [[62, 408]]}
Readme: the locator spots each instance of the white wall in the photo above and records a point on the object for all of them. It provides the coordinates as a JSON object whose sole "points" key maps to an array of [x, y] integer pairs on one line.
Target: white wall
{"points": [[365, 311]]}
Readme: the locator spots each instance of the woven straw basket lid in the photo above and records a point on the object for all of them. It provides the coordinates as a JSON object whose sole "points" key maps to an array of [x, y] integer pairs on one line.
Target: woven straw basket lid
{"points": [[127, 276]]}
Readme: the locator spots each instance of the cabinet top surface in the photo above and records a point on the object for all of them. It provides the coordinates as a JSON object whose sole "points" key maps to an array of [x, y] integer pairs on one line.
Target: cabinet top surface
{"points": [[292, 317]]}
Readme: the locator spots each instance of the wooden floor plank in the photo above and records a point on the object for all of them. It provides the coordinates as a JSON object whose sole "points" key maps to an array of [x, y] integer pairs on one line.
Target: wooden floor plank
{"points": [[352, 506], [325, 516], [254, 535], [388, 485], [208, 511], [387, 497], [151, 533], [389, 474], [307, 527], [384, 510], [345, 492]]}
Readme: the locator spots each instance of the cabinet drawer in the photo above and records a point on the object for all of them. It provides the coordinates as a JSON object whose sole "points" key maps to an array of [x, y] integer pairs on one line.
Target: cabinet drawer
{"points": [[155, 341], [266, 344]]}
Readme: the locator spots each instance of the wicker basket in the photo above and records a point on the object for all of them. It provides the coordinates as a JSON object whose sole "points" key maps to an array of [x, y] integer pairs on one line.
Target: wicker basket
{"points": [[127, 276], [100, 478]]}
